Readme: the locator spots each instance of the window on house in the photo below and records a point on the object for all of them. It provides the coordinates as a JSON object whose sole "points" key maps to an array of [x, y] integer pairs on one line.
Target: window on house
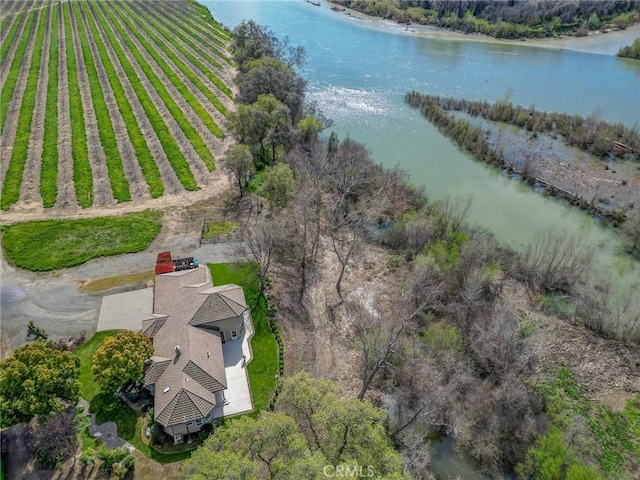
{"points": [[189, 423], [199, 422], [234, 334]]}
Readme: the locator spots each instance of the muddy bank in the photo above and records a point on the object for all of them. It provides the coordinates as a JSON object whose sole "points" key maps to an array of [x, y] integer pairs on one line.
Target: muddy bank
{"points": [[605, 186]]}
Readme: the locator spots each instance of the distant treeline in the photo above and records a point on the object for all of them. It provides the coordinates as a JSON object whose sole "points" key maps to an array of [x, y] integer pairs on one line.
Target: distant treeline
{"points": [[506, 19], [589, 134], [631, 51]]}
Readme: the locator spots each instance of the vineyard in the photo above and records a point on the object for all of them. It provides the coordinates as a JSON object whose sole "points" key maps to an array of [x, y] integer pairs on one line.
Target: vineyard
{"points": [[109, 102]]}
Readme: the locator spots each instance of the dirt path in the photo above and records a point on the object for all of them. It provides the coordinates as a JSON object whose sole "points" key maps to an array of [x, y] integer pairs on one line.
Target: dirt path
{"points": [[171, 182], [137, 184], [174, 129], [13, 113], [30, 189], [66, 198], [102, 194]]}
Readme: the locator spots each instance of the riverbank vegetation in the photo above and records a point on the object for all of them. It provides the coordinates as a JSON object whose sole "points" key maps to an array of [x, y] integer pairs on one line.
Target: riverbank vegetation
{"points": [[615, 144], [52, 244], [631, 51], [505, 19], [590, 134], [133, 97]]}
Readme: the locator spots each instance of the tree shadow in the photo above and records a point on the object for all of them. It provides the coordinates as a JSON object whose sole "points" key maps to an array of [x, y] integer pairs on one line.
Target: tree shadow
{"points": [[109, 407]]}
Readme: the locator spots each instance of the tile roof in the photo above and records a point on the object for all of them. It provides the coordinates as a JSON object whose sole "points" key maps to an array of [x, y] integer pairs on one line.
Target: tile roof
{"points": [[150, 326], [188, 366], [221, 303]]}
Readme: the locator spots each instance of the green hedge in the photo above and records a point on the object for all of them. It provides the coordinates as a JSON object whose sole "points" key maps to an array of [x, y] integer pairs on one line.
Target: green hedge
{"points": [[82, 175], [12, 78]]}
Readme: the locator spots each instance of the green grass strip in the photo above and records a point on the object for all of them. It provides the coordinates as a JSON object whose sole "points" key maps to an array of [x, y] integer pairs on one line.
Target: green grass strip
{"points": [[171, 150], [52, 244], [206, 26], [143, 153], [177, 33], [187, 70], [49, 163], [117, 178], [210, 21], [200, 44], [179, 84], [82, 175], [206, 71], [12, 78], [8, 41], [177, 113], [15, 172], [263, 367]]}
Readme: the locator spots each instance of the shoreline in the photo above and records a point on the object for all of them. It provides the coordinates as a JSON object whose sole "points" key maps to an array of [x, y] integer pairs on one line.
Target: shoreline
{"points": [[601, 43]]}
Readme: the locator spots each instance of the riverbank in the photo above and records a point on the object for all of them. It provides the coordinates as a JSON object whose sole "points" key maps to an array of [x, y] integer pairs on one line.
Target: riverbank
{"points": [[602, 42]]}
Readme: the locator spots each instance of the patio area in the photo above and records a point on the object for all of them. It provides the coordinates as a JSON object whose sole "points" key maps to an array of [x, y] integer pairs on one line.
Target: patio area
{"points": [[237, 354]]}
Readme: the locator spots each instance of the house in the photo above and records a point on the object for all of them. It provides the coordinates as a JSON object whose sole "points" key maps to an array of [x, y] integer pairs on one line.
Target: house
{"points": [[191, 321]]}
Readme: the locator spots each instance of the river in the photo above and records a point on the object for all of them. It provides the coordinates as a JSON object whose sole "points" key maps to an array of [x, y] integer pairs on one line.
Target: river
{"points": [[358, 70]]}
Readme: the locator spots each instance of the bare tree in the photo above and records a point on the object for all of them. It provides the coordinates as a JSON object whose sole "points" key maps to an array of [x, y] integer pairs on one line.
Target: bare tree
{"points": [[632, 228], [556, 260], [377, 330], [258, 249]]}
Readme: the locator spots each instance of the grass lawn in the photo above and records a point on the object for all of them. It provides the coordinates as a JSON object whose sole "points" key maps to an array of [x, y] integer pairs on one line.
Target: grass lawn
{"points": [[51, 244], [264, 365], [216, 229], [109, 407]]}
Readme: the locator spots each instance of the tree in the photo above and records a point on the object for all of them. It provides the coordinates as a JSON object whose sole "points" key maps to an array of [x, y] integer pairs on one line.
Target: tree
{"points": [[632, 228], [120, 360], [311, 429], [556, 260], [56, 439], [279, 184], [239, 162], [265, 126], [258, 250], [37, 380]]}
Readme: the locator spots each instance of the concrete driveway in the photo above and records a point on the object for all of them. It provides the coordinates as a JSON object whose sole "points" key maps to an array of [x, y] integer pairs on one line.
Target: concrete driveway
{"points": [[125, 311]]}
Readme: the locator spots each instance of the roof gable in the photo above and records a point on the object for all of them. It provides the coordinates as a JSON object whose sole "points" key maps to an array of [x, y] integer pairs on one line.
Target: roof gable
{"points": [[220, 304], [184, 407]]}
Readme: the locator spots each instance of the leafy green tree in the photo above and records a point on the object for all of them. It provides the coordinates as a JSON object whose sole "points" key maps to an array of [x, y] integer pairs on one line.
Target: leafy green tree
{"points": [[120, 360], [313, 433], [239, 161], [279, 184], [265, 126], [551, 459], [37, 380], [270, 76]]}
